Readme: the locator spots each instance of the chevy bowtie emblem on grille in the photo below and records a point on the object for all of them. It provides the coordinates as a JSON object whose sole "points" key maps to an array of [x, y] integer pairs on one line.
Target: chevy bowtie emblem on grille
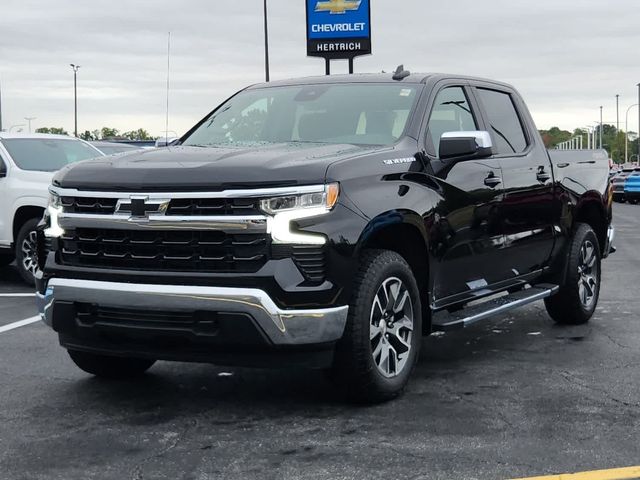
{"points": [[337, 6], [142, 207]]}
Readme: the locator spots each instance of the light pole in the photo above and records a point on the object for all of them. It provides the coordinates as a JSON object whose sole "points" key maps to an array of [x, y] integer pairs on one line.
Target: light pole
{"points": [[600, 126], [75, 98], [266, 44], [639, 121], [626, 133], [617, 114], [28, 119]]}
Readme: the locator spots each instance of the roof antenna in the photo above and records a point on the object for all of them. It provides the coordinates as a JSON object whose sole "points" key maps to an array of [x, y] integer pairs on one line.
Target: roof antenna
{"points": [[400, 73], [166, 126]]}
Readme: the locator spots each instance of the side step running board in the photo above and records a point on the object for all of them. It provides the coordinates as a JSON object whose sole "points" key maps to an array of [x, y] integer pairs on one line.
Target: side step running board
{"points": [[444, 320]]}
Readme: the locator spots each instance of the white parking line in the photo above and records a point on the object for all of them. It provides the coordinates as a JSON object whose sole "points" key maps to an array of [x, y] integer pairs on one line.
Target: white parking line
{"points": [[19, 324], [17, 295]]}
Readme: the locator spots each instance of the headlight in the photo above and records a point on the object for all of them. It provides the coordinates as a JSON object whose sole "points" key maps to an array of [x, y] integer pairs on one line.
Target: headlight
{"points": [[326, 197], [297, 207], [54, 209]]}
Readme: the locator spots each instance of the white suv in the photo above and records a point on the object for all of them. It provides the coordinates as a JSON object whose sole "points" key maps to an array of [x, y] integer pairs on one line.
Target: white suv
{"points": [[27, 165]]}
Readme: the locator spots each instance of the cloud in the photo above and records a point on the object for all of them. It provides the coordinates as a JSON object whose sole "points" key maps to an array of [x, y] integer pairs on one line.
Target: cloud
{"points": [[566, 58]]}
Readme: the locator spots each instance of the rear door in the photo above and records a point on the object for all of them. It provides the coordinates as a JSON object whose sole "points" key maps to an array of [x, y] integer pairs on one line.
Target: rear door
{"points": [[466, 236], [528, 207]]}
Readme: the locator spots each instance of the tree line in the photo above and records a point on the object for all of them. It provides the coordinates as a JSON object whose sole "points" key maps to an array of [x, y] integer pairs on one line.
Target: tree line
{"points": [[105, 133], [612, 140]]}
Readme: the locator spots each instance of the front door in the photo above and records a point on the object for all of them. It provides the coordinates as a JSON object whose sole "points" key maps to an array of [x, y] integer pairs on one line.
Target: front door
{"points": [[466, 236]]}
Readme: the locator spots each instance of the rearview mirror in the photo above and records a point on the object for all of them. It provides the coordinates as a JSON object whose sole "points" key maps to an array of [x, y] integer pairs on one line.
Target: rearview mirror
{"points": [[465, 145]]}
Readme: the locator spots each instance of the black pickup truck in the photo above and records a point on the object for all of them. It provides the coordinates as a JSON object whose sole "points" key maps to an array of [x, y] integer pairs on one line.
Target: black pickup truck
{"points": [[327, 222]]}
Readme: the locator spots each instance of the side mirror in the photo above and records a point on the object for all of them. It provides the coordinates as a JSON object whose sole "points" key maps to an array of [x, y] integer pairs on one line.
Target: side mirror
{"points": [[3, 169], [465, 145]]}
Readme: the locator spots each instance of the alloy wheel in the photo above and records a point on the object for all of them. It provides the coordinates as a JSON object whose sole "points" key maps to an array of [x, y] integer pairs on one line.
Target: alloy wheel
{"points": [[391, 327], [587, 274], [29, 249]]}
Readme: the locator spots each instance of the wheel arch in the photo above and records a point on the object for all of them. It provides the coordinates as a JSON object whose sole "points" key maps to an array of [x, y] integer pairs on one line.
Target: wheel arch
{"points": [[24, 214], [591, 211], [404, 233]]}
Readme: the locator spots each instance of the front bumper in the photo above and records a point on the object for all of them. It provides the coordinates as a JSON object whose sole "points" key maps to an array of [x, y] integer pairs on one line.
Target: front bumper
{"points": [[278, 328], [609, 248]]}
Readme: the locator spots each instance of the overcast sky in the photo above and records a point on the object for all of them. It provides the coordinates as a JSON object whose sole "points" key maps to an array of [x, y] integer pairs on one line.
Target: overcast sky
{"points": [[566, 57]]}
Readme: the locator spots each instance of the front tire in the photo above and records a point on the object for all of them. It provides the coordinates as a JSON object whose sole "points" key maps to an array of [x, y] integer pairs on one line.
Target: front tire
{"points": [[26, 251], [382, 338], [108, 366], [577, 299]]}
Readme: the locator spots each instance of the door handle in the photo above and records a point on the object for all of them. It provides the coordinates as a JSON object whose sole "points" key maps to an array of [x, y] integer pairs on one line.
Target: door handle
{"points": [[543, 176], [492, 181]]}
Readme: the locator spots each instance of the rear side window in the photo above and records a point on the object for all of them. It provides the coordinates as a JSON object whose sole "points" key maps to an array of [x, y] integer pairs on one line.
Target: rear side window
{"points": [[504, 121]]}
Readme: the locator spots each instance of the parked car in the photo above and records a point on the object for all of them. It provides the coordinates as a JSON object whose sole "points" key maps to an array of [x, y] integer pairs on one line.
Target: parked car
{"points": [[617, 183], [632, 187], [27, 165], [109, 148], [325, 222]]}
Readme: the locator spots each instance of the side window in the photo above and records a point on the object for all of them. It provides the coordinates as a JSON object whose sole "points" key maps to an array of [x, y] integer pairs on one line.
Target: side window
{"points": [[451, 113], [3, 167], [504, 121]]}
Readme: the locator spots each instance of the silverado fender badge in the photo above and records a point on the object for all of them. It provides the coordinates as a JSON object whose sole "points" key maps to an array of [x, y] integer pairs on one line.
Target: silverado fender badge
{"points": [[395, 161]]}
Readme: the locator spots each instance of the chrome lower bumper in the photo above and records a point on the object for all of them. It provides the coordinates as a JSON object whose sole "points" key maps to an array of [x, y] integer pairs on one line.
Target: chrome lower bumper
{"points": [[283, 327], [609, 248]]}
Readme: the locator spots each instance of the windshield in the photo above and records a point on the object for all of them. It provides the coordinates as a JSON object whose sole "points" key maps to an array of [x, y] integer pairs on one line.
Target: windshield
{"points": [[362, 114], [45, 154]]}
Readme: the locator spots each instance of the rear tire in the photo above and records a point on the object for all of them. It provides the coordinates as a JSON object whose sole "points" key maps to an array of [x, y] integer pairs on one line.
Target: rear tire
{"points": [[26, 251], [108, 366], [577, 299], [382, 338]]}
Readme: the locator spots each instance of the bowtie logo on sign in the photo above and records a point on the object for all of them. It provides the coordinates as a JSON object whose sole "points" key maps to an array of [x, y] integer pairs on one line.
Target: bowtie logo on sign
{"points": [[337, 6]]}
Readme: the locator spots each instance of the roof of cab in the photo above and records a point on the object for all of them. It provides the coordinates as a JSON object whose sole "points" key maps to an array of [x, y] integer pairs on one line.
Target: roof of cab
{"points": [[413, 78]]}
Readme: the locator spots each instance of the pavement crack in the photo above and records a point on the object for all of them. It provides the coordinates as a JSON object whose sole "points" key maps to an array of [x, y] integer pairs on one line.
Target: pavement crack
{"points": [[615, 342], [138, 470], [569, 377]]}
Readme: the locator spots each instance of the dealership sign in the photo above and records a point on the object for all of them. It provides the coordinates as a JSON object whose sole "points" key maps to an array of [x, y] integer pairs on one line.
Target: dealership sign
{"points": [[338, 28]]}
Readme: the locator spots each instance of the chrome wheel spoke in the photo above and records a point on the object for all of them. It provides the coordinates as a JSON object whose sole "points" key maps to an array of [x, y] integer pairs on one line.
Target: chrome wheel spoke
{"points": [[401, 301], [374, 331]]}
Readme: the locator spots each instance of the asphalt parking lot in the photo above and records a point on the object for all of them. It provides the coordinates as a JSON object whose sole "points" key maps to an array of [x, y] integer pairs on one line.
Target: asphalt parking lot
{"points": [[513, 397]]}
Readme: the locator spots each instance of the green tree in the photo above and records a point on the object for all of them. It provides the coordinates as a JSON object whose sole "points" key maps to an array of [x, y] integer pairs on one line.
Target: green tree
{"points": [[139, 134], [554, 136], [52, 130], [87, 136], [107, 132]]}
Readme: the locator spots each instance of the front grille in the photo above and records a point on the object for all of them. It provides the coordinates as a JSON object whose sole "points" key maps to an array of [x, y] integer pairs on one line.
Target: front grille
{"points": [[213, 206], [177, 206], [90, 205], [207, 251]]}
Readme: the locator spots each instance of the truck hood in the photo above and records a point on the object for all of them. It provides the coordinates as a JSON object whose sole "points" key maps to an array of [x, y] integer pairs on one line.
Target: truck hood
{"points": [[208, 168]]}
